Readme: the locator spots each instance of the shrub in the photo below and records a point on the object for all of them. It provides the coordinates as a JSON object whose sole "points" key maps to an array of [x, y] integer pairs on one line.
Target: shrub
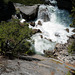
{"points": [[68, 73], [26, 2], [13, 38], [71, 48], [73, 13]]}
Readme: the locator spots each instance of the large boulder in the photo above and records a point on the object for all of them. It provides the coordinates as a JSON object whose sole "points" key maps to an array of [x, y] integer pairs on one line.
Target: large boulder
{"points": [[64, 4], [28, 12]]}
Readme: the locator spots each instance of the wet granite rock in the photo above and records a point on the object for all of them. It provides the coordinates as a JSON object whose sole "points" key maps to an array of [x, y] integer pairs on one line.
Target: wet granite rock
{"points": [[32, 24], [34, 31], [39, 23], [73, 36], [73, 30], [67, 30]]}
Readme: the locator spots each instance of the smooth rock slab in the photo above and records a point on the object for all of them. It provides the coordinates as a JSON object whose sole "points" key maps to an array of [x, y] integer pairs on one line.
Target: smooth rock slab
{"points": [[47, 66]]}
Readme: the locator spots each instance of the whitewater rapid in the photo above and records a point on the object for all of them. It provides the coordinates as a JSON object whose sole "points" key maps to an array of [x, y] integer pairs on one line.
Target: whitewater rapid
{"points": [[53, 28]]}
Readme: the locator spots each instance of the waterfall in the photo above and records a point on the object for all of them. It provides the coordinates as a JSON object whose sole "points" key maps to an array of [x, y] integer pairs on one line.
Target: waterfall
{"points": [[54, 24]]}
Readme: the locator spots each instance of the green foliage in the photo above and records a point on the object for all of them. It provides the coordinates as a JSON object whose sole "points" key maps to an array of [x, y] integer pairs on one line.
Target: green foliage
{"points": [[68, 73], [13, 38], [71, 48], [26, 2], [6, 1], [73, 13], [73, 16]]}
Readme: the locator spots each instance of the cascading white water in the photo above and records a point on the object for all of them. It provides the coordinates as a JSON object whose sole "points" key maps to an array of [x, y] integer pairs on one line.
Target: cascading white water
{"points": [[54, 29]]}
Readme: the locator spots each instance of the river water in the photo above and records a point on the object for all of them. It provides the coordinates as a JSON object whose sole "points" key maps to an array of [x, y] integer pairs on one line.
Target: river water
{"points": [[54, 24]]}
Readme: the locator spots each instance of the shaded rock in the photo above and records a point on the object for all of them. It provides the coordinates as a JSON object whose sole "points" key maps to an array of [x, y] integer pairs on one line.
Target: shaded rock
{"points": [[28, 12], [32, 24], [64, 52], [39, 23], [49, 39], [9, 55], [59, 47], [34, 31], [57, 34], [73, 36], [28, 58], [67, 30], [73, 30], [41, 36], [49, 53], [43, 14], [14, 17], [46, 17]]}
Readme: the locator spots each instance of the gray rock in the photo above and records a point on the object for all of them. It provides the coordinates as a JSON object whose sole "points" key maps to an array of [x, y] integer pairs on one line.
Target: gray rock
{"points": [[49, 53], [59, 47], [44, 15], [64, 52], [47, 66], [28, 12]]}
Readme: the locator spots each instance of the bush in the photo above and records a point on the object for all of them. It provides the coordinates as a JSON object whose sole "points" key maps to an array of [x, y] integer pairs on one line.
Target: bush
{"points": [[68, 73], [26, 2], [73, 13], [13, 38], [71, 48]]}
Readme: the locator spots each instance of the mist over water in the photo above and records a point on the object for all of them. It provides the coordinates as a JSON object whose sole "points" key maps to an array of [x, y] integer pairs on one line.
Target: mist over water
{"points": [[54, 25]]}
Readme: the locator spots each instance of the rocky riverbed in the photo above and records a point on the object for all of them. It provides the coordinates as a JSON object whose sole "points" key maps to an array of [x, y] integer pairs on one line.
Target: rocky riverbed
{"points": [[61, 52]]}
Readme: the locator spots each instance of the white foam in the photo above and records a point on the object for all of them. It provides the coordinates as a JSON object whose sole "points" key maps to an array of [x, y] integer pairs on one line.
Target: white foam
{"points": [[53, 29], [22, 20]]}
